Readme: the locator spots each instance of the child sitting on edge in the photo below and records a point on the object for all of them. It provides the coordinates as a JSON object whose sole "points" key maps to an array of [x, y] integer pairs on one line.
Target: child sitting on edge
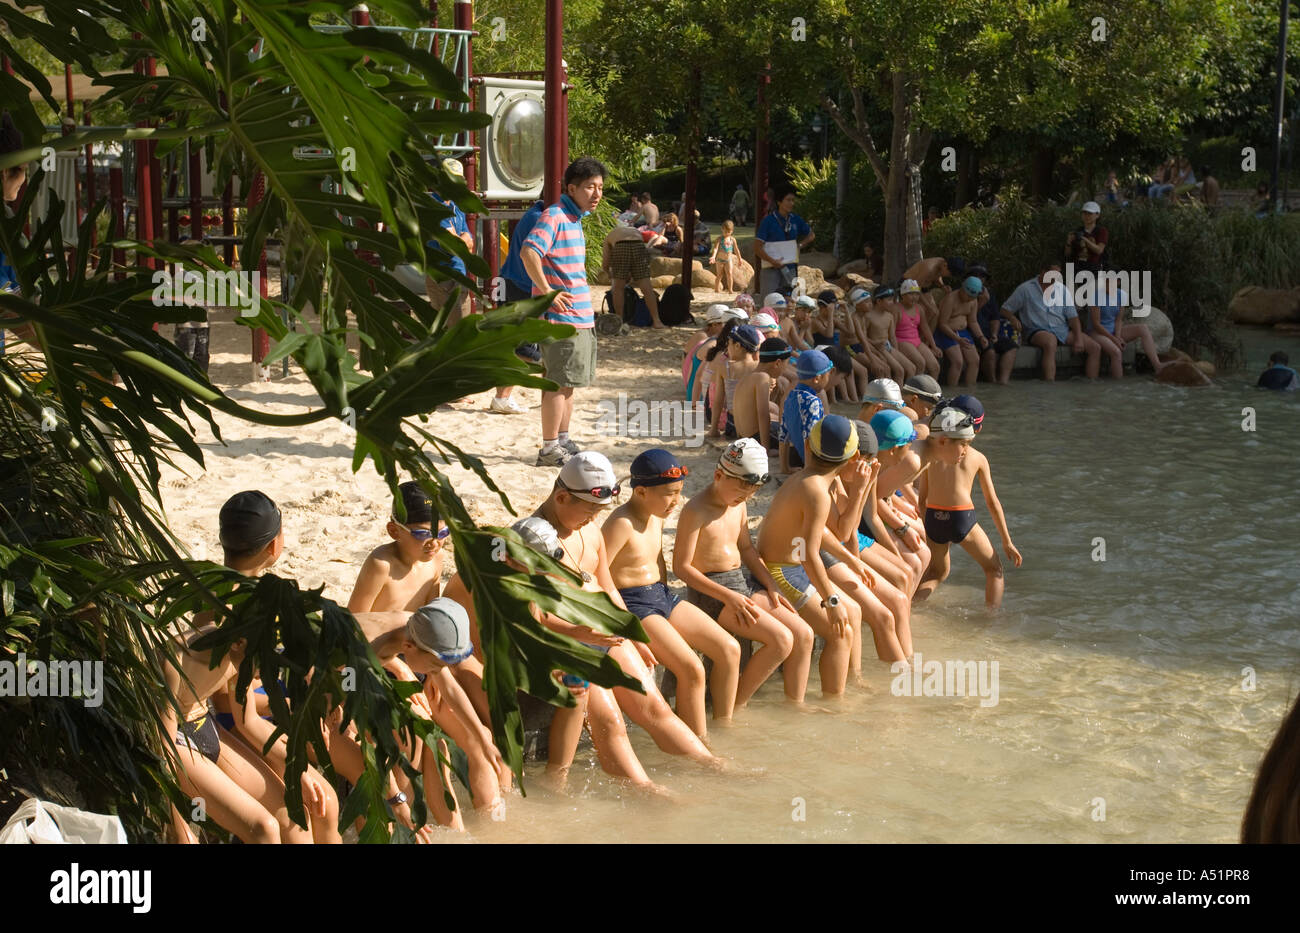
{"points": [[920, 394], [714, 555], [945, 493], [741, 360], [881, 322], [723, 258], [633, 536], [405, 573], [757, 412], [899, 527], [958, 334], [803, 407], [792, 536]]}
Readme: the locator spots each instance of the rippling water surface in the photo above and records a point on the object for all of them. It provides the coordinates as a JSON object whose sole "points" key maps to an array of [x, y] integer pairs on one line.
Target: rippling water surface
{"points": [[1120, 680]]}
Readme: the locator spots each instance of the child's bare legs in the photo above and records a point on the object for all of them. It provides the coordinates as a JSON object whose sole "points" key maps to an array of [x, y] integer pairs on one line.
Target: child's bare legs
{"points": [[707, 636], [609, 736], [1143, 333], [437, 785], [833, 665], [225, 802], [651, 712], [256, 777], [484, 786], [899, 604], [563, 738], [798, 664], [936, 572], [874, 613], [909, 368], [469, 674], [891, 567], [672, 651], [978, 546], [931, 361], [776, 642], [913, 354], [971, 357], [956, 362], [895, 367]]}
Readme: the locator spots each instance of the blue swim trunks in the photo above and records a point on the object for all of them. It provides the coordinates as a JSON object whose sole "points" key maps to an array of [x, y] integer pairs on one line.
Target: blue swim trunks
{"points": [[943, 341], [792, 580], [864, 542], [653, 600]]}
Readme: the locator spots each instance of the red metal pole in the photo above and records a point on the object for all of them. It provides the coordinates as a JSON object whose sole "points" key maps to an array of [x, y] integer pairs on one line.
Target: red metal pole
{"points": [[195, 191], [143, 187], [433, 24], [556, 143], [117, 204], [360, 15], [492, 253]]}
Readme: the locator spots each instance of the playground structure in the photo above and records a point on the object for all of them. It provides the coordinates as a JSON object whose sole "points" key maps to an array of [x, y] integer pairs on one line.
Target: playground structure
{"points": [[187, 207]]}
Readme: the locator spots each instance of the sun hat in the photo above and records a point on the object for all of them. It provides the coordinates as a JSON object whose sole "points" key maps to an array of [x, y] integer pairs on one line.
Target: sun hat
{"points": [[813, 363], [589, 476], [834, 438], [656, 467], [453, 167], [442, 629], [884, 391], [892, 429]]}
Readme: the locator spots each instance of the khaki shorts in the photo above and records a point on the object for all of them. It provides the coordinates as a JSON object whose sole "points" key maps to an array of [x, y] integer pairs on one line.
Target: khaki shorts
{"points": [[571, 362]]}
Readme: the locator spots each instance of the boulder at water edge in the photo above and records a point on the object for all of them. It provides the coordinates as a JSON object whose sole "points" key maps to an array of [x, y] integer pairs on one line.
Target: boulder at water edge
{"points": [[854, 267], [823, 262], [1182, 373], [1255, 305]]}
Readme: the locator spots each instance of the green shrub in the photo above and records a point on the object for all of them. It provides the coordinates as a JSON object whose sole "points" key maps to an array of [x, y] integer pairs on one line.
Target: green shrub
{"points": [[864, 214], [1197, 260]]}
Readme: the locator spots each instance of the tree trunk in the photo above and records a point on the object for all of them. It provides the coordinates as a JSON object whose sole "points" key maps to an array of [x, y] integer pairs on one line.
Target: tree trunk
{"points": [[968, 177], [908, 145], [843, 168], [692, 157], [1040, 179]]}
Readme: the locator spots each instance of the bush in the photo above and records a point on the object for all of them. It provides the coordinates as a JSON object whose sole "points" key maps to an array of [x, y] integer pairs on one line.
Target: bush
{"points": [[1197, 260], [864, 215]]}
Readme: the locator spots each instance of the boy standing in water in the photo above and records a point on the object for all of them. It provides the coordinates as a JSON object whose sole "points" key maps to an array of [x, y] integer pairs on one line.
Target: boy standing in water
{"points": [[714, 555], [792, 536], [634, 542], [405, 573], [945, 494]]}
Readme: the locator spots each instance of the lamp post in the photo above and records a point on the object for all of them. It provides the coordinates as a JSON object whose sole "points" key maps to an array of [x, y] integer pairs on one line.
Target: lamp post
{"points": [[819, 127]]}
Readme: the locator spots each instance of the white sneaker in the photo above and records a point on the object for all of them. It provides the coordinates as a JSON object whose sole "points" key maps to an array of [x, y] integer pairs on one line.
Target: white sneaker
{"points": [[506, 406]]}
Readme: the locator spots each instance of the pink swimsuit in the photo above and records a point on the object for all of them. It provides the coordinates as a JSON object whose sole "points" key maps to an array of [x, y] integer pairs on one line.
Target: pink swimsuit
{"points": [[908, 328]]}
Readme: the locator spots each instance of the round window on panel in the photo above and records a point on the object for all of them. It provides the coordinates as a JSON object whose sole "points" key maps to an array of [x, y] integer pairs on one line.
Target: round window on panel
{"points": [[517, 142]]}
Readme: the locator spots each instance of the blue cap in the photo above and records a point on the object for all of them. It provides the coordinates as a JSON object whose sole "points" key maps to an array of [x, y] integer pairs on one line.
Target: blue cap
{"points": [[813, 363], [971, 405], [656, 467], [834, 438], [893, 429], [747, 336], [774, 348], [972, 286]]}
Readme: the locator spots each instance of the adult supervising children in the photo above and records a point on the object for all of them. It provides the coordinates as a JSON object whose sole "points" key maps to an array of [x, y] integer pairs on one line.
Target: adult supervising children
{"points": [[780, 236], [555, 255]]}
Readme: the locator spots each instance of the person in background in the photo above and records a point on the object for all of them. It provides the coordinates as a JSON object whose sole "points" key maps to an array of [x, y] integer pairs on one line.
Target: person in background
{"points": [[649, 215], [930, 217], [1209, 187], [1086, 246], [1263, 200], [875, 262], [1279, 375], [1270, 815], [739, 207], [625, 257], [724, 256], [442, 292]]}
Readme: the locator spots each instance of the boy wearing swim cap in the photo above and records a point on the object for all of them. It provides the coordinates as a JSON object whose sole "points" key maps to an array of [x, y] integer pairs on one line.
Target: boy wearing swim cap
{"points": [[432, 641], [920, 394], [406, 572], [881, 323], [586, 487], [945, 494], [756, 406], [958, 334], [886, 564], [899, 526], [862, 305], [803, 407], [796, 326], [714, 555], [790, 540], [251, 532], [634, 542], [741, 360]]}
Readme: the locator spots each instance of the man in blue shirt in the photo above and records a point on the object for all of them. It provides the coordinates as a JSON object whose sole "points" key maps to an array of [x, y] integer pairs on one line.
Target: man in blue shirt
{"points": [[441, 292], [1042, 310], [1279, 375], [780, 226], [518, 285]]}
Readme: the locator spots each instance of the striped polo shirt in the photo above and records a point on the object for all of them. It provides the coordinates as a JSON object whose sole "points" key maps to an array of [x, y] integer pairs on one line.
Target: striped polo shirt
{"points": [[558, 239]]}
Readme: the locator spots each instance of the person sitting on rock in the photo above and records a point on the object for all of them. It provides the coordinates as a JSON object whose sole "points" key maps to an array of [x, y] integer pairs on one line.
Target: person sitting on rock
{"points": [[1107, 326]]}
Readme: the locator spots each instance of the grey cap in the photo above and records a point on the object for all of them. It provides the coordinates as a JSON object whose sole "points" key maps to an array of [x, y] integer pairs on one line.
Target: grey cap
{"points": [[540, 535], [925, 386], [442, 629], [868, 446]]}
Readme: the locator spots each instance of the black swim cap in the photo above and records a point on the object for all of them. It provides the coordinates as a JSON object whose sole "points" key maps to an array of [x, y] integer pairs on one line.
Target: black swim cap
{"points": [[419, 506], [249, 521]]}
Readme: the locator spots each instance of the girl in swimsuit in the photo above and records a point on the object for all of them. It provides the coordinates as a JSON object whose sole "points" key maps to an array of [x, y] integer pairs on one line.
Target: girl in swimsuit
{"points": [[723, 257], [915, 339]]}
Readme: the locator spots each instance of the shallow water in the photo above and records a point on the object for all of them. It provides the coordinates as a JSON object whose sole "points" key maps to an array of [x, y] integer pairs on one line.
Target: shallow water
{"points": [[1120, 680]]}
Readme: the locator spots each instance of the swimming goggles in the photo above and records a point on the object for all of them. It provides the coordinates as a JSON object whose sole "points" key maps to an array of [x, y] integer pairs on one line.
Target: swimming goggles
{"points": [[752, 479], [424, 534], [598, 492], [676, 472]]}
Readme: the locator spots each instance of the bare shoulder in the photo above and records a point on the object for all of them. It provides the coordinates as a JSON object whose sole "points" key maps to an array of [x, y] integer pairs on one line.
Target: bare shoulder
{"points": [[380, 558]]}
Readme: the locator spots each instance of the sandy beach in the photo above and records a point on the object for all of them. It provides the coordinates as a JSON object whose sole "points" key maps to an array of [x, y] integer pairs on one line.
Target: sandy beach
{"points": [[333, 518]]}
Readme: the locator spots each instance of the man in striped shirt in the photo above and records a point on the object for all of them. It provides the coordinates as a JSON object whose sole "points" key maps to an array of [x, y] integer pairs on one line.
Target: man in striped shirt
{"points": [[555, 258]]}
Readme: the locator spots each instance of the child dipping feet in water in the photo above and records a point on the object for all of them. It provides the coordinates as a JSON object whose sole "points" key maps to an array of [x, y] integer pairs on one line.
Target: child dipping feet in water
{"points": [[633, 536], [945, 493], [790, 542], [714, 555], [406, 572]]}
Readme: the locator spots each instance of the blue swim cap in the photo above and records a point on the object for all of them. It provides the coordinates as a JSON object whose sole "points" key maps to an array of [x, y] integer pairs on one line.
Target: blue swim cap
{"points": [[834, 438], [972, 286], [656, 467], [970, 405], [813, 363], [893, 429]]}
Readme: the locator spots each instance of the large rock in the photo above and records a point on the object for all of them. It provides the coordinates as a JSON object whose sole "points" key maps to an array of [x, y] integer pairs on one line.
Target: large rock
{"points": [[814, 280], [1255, 305], [854, 267], [851, 279], [1182, 373], [742, 273], [660, 282], [703, 279], [671, 265], [1162, 329], [824, 262]]}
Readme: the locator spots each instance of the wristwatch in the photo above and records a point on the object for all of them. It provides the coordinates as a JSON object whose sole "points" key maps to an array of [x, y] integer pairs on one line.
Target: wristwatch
{"points": [[903, 529], [396, 800], [832, 602]]}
